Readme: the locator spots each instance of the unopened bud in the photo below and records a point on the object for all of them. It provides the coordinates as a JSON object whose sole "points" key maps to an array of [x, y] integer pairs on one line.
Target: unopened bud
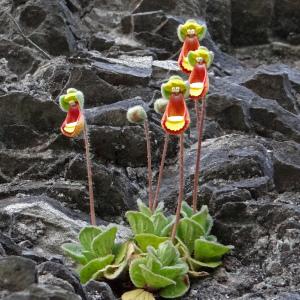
{"points": [[136, 114], [160, 105]]}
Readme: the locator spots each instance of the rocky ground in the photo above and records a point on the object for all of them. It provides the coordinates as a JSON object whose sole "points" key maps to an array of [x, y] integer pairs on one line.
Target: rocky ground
{"points": [[118, 53]]}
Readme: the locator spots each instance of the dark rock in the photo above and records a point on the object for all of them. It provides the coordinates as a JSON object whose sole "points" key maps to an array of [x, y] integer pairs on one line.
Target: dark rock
{"points": [[43, 292], [60, 271], [250, 21], [48, 24], [99, 290], [286, 18], [49, 279], [114, 114], [23, 109], [20, 60], [286, 165], [274, 86], [218, 15], [110, 183], [269, 119], [100, 42], [32, 216], [126, 70], [9, 246], [189, 8], [16, 273]]}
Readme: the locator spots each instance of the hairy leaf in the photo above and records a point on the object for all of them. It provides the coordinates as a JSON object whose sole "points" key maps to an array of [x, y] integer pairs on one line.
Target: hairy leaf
{"points": [[204, 219], [167, 253], [135, 272], [208, 251], [146, 239], [139, 222], [172, 272], [154, 280], [143, 208], [86, 236], [182, 285], [159, 222], [103, 243], [186, 210], [188, 231], [93, 267], [74, 250]]}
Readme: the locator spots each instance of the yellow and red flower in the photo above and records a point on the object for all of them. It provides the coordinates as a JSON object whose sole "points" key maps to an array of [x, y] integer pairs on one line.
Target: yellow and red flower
{"points": [[72, 103], [200, 60], [176, 118], [189, 33]]}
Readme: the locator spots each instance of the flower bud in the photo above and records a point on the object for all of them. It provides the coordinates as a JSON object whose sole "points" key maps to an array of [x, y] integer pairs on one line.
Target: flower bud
{"points": [[160, 105], [136, 114]]}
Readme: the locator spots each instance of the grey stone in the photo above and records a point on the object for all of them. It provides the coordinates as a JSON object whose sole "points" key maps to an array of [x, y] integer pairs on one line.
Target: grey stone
{"points": [[43, 292], [99, 290], [16, 273], [62, 272]]}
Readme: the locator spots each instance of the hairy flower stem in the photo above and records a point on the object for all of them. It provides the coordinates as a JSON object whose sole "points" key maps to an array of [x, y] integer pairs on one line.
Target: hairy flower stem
{"points": [[181, 186], [89, 174], [161, 171], [200, 125], [149, 160]]}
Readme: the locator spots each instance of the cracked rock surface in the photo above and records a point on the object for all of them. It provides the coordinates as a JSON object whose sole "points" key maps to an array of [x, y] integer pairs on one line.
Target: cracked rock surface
{"points": [[118, 53]]}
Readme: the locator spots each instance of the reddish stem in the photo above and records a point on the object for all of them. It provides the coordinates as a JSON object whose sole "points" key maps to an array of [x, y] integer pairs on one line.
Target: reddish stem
{"points": [[161, 170], [149, 159], [200, 123], [181, 186], [89, 174]]}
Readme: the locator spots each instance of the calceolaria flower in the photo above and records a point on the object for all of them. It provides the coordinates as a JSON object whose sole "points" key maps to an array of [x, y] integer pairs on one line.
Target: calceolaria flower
{"points": [[189, 33], [72, 103], [200, 60], [176, 118]]}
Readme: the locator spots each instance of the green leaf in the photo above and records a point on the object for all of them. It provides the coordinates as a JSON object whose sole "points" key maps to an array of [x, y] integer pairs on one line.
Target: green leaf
{"points": [[212, 238], [120, 250], [153, 263], [167, 229], [196, 265], [74, 250], [146, 239], [86, 236], [143, 208], [153, 280], [208, 251], [188, 231], [175, 271], [139, 222], [186, 210], [159, 222], [167, 253], [89, 255], [103, 243], [138, 294], [182, 285], [93, 267], [135, 272], [204, 219]]}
